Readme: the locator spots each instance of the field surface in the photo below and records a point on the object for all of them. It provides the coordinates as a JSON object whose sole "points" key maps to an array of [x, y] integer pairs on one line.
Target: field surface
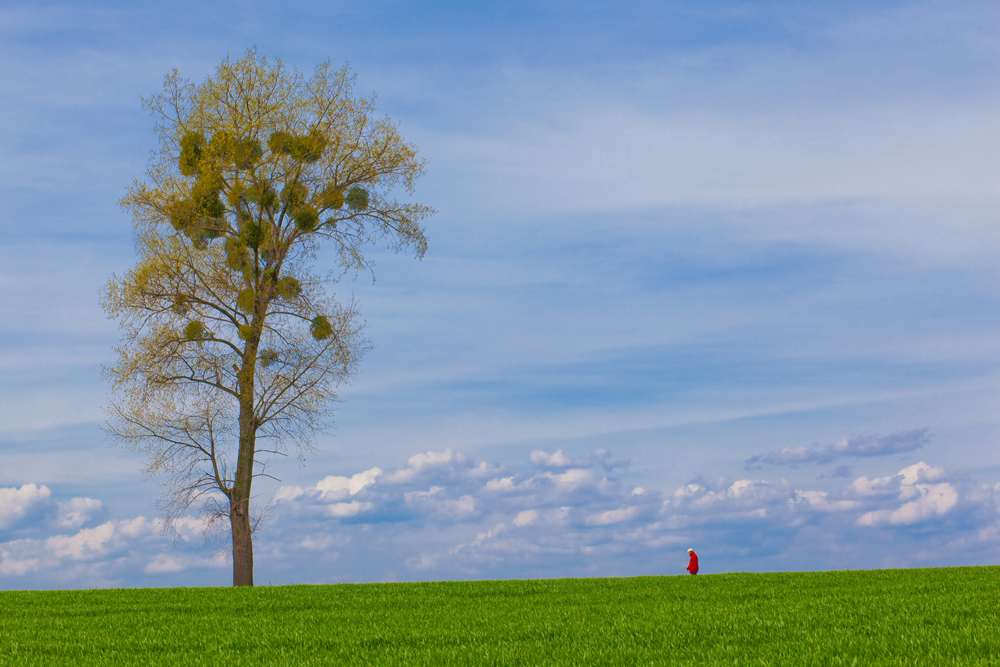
{"points": [[947, 616]]}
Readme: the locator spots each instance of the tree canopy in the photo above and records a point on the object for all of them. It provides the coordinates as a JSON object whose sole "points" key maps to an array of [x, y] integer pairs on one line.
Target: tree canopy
{"points": [[232, 347]]}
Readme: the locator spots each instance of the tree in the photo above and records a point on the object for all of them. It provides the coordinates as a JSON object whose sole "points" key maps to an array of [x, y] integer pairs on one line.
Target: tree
{"points": [[231, 349]]}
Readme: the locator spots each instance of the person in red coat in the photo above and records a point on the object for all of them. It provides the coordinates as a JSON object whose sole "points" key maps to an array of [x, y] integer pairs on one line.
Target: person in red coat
{"points": [[693, 564]]}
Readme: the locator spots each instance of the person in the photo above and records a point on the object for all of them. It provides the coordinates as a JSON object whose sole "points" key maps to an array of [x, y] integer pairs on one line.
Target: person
{"points": [[693, 563]]}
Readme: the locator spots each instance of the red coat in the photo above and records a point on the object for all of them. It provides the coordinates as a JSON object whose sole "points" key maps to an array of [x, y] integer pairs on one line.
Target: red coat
{"points": [[693, 565]]}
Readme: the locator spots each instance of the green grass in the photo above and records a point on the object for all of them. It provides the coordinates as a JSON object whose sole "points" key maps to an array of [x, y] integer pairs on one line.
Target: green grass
{"points": [[882, 617]]}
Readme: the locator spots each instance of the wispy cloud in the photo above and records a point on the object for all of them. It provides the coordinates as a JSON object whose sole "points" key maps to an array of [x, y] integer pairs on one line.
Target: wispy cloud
{"points": [[857, 446]]}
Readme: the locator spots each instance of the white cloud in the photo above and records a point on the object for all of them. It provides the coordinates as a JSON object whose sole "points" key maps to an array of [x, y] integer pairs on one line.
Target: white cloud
{"points": [[353, 508], [525, 518], [288, 493], [741, 498], [923, 500], [460, 521], [164, 563], [921, 472], [77, 512], [422, 562], [12, 567], [572, 479], [902, 482], [609, 517], [173, 563], [546, 460], [429, 459], [878, 486], [501, 484], [88, 555], [434, 462], [451, 520], [190, 528], [490, 534], [456, 509], [336, 488], [139, 526], [15, 503], [819, 500], [321, 542], [86, 544], [432, 459], [559, 460]]}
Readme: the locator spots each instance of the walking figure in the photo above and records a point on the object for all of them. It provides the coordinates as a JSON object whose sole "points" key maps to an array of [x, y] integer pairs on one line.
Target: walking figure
{"points": [[693, 563]]}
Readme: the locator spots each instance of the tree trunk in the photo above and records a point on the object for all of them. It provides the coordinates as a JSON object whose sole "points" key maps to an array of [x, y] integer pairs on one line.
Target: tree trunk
{"points": [[239, 496], [239, 519]]}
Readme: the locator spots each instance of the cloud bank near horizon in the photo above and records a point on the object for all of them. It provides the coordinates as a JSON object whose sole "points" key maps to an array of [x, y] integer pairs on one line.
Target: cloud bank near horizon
{"points": [[447, 515]]}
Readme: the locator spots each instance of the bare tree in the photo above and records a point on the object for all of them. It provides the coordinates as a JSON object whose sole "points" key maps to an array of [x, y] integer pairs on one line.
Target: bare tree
{"points": [[232, 349]]}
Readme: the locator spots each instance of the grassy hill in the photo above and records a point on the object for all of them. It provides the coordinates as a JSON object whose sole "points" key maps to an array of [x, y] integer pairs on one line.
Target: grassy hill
{"points": [[946, 616]]}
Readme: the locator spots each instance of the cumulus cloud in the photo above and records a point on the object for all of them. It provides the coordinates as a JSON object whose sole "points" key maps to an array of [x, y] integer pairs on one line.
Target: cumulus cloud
{"points": [[341, 510], [563, 509], [172, 563], [858, 446], [614, 516], [526, 518], [558, 512], [433, 463], [445, 515], [820, 501], [333, 487], [87, 543], [547, 460], [78, 511], [32, 554], [600, 458], [16, 503], [164, 563], [341, 487], [557, 504], [99, 554], [921, 489], [737, 500]]}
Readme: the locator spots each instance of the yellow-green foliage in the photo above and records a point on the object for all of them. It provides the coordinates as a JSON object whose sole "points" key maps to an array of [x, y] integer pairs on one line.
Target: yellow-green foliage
{"points": [[237, 254], [321, 328], [357, 198], [306, 219], [308, 148], [191, 144], [294, 194], [252, 232], [332, 197], [194, 331], [213, 236], [247, 300], [288, 288]]}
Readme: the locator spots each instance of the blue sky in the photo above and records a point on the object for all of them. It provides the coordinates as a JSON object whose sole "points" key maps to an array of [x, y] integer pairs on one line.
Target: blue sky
{"points": [[717, 275]]}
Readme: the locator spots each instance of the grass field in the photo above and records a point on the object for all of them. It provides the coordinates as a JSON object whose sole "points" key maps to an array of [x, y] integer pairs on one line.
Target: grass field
{"points": [[947, 616]]}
